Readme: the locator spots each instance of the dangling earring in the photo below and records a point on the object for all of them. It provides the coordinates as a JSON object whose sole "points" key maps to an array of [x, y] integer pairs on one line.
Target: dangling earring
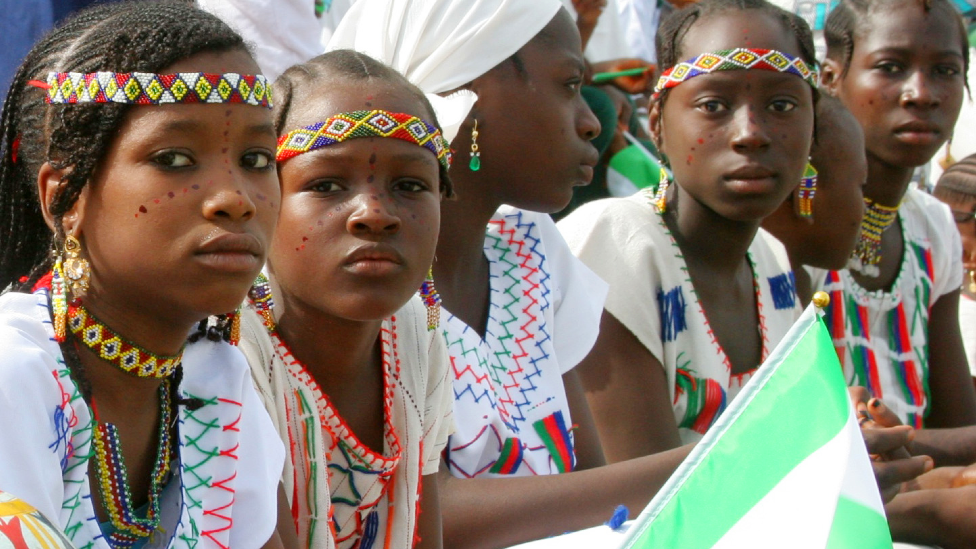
{"points": [[432, 300], [475, 163], [806, 191], [76, 268], [59, 301], [235, 326], [972, 282], [260, 294], [947, 160], [661, 196]]}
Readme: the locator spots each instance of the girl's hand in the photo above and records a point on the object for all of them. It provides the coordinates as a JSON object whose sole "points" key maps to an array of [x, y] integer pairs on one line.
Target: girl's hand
{"points": [[966, 477], [640, 83], [588, 11]]}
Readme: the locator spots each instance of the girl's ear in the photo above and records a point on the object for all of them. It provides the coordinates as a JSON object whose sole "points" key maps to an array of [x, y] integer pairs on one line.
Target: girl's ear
{"points": [[654, 125], [48, 184], [830, 76]]}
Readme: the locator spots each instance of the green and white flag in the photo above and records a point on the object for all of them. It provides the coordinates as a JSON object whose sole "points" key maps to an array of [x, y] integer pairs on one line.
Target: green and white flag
{"points": [[785, 465]]}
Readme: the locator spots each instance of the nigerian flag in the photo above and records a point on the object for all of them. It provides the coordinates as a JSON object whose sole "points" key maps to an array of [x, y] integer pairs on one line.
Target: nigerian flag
{"points": [[785, 465]]}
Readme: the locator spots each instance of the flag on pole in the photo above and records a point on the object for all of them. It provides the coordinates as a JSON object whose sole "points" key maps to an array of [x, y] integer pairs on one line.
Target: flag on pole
{"points": [[785, 465]]}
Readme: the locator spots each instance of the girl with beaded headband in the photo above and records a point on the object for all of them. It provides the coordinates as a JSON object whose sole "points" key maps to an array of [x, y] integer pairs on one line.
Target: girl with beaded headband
{"points": [[137, 196], [347, 361], [898, 65], [699, 292], [519, 310]]}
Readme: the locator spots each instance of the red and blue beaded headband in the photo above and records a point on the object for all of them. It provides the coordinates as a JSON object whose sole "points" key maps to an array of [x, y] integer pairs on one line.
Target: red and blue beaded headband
{"points": [[146, 88], [737, 59], [375, 123]]}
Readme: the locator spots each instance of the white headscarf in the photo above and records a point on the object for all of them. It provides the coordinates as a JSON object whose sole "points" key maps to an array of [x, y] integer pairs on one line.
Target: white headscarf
{"points": [[440, 45]]}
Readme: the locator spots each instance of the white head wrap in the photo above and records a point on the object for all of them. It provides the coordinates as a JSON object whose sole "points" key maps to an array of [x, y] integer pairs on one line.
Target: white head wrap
{"points": [[440, 45]]}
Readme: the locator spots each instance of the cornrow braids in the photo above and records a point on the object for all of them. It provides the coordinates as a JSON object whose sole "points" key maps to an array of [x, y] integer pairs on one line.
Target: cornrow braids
{"points": [[305, 78], [850, 17], [958, 181], [672, 31], [143, 36]]}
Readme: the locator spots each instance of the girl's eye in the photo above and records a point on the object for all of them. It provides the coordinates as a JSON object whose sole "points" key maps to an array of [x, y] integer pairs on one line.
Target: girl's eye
{"points": [[711, 106], [173, 159], [889, 67], [575, 85], [323, 186], [947, 70], [257, 160], [781, 105], [411, 185]]}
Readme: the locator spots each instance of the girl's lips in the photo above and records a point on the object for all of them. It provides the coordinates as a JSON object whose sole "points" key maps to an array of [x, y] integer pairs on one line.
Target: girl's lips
{"points": [[374, 260], [231, 252]]}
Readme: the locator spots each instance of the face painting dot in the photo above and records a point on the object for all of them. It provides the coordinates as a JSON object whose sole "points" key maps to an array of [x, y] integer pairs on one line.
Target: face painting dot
{"points": [[223, 150], [319, 223], [195, 187], [170, 194], [227, 113], [701, 141], [372, 158], [376, 211], [143, 209], [156, 200], [240, 193], [261, 197], [304, 239], [370, 178]]}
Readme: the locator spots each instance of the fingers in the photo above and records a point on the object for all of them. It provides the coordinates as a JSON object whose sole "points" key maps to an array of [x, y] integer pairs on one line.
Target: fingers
{"points": [[891, 474], [966, 477], [883, 441], [882, 415]]}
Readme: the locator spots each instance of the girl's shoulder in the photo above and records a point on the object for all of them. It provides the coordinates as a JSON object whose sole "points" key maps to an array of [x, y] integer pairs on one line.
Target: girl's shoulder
{"points": [[628, 227], [26, 336], [927, 215], [769, 253], [211, 367]]}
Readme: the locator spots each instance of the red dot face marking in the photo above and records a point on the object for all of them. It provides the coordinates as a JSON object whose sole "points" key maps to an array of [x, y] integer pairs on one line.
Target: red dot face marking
{"points": [[171, 194], [142, 209], [701, 141], [690, 158], [372, 158], [195, 187], [304, 239], [223, 150], [156, 200]]}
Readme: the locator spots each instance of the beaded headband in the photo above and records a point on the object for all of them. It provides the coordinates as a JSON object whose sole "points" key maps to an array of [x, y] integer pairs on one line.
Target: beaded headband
{"points": [[146, 88], [737, 59], [375, 123]]}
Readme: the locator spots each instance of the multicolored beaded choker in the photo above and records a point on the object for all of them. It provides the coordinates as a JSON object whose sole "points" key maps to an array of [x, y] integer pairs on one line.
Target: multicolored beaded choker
{"points": [[146, 88], [112, 348], [737, 59], [375, 123], [867, 252], [113, 486]]}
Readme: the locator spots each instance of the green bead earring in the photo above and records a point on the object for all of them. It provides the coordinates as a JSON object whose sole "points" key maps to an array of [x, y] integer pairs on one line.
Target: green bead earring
{"points": [[475, 163]]}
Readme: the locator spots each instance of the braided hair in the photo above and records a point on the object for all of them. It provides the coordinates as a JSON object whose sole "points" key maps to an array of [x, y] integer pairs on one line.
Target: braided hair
{"points": [[673, 29], [144, 36], [958, 181], [119, 37], [306, 78], [851, 16]]}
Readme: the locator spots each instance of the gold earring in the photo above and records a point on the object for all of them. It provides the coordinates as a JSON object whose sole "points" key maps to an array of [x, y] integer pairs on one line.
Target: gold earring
{"points": [[76, 268], [475, 163], [972, 282]]}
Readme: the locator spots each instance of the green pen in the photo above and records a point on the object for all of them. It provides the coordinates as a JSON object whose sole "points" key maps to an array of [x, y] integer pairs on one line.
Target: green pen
{"points": [[602, 77]]}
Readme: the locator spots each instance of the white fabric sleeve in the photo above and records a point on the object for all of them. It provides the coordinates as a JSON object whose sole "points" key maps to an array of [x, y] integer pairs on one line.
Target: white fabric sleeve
{"points": [[281, 33], [578, 298], [31, 451], [439, 404], [605, 235], [261, 460], [946, 247]]}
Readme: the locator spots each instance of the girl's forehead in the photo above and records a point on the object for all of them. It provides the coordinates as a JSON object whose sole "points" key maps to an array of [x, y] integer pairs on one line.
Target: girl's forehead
{"points": [[316, 102], [907, 25], [739, 29]]}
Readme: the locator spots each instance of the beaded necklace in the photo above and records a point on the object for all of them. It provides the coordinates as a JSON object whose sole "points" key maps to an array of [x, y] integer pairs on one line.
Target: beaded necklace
{"points": [[112, 348], [113, 486], [867, 253]]}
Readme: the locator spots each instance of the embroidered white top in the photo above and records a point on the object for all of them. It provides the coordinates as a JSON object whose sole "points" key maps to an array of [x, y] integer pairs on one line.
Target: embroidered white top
{"points": [[329, 473], [882, 337], [626, 241], [510, 405], [230, 458]]}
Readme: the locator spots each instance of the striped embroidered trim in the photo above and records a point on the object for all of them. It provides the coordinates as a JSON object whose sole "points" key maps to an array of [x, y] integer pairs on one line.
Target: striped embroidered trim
{"points": [[146, 88], [737, 59], [375, 123]]}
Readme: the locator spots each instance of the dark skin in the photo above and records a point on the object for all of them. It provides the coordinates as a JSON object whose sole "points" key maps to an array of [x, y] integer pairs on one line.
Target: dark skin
{"points": [[906, 89], [164, 250], [378, 197], [714, 124], [513, 108]]}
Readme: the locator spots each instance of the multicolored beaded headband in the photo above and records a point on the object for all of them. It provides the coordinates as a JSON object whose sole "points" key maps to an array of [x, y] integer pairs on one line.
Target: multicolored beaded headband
{"points": [[737, 59], [146, 88], [375, 123]]}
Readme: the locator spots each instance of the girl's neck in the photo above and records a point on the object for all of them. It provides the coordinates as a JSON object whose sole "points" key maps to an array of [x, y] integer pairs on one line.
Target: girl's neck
{"points": [[158, 329], [886, 184], [706, 238], [459, 260], [337, 360]]}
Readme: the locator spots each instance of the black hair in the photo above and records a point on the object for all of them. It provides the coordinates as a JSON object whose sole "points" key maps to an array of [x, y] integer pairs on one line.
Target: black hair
{"points": [[673, 29], [958, 181], [851, 16], [302, 79], [145, 36]]}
